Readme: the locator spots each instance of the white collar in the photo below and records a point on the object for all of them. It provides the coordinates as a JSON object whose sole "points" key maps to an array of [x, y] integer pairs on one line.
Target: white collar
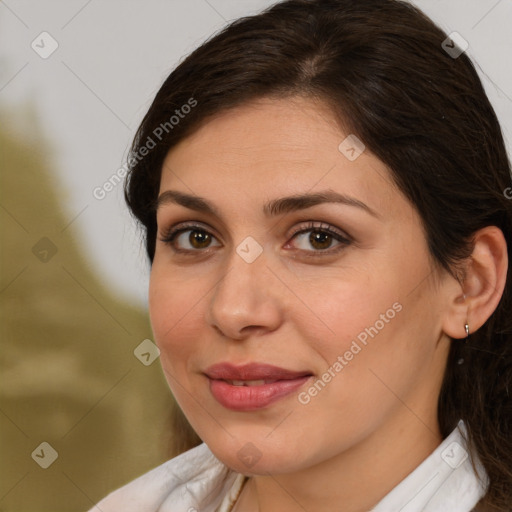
{"points": [[443, 482]]}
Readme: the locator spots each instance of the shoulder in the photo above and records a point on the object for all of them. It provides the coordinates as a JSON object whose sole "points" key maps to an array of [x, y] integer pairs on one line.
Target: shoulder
{"points": [[194, 479]]}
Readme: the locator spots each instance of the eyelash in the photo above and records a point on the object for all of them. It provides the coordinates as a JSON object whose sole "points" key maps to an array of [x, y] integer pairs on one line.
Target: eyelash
{"points": [[172, 233]]}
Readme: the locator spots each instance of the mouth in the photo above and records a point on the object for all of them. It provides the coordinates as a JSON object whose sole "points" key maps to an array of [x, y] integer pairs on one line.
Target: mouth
{"points": [[253, 386], [249, 382]]}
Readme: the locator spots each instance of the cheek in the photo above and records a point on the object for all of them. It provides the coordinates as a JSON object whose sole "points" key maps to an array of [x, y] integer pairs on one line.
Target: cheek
{"points": [[359, 308], [173, 311], [176, 322], [367, 327]]}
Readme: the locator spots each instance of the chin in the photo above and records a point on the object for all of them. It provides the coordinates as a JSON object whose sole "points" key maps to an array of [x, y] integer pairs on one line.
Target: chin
{"points": [[258, 457]]}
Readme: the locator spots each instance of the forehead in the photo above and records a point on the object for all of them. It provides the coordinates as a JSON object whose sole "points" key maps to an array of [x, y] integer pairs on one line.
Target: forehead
{"points": [[262, 130], [275, 147]]}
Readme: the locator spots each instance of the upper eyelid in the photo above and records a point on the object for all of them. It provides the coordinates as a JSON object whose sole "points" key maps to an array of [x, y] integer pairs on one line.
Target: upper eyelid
{"points": [[320, 226], [308, 225], [186, 226]]}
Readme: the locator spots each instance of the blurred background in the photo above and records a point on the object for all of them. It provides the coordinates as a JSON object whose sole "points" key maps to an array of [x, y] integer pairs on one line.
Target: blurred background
{"points": [[84, 406]]}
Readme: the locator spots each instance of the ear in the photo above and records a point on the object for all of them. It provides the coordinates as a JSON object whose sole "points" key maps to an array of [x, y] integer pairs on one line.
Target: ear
{"points": [[475, 299]]}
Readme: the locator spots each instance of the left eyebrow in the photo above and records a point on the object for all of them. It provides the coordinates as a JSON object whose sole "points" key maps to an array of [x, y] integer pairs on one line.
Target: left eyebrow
{"points": [[272, 208], [303, 201]]}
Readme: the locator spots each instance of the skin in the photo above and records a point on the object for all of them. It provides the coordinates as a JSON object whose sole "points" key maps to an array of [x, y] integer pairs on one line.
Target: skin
{"points": [[376, 421]]}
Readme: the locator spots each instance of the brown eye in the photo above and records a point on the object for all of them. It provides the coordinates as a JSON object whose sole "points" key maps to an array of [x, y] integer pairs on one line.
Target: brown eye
{"points": [[198, 238], [320, 239]]}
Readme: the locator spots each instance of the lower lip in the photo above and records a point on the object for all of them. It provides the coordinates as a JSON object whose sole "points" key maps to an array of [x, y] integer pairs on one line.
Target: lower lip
{"points": [[250, 398]]}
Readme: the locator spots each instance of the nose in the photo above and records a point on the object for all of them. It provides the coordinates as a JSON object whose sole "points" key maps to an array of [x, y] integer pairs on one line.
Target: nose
{"points": [[247, 300]]}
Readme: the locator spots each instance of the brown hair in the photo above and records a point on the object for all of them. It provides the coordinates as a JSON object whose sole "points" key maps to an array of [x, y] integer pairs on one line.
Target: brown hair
{"points": [[381, 67]]}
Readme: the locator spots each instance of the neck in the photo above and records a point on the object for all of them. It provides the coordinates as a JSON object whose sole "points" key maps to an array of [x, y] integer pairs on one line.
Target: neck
{"points": [[357, 478]]}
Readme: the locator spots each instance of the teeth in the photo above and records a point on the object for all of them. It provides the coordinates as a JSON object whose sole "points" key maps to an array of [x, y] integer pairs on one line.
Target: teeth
{"points": [[249, 382], [237, 382]]}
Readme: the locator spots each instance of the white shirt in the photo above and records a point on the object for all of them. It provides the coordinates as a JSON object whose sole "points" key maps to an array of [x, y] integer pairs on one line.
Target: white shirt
{"points": [[196, 481]]}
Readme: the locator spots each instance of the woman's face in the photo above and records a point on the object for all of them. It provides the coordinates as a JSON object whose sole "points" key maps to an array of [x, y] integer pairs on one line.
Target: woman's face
{"points": [[351, 317]]}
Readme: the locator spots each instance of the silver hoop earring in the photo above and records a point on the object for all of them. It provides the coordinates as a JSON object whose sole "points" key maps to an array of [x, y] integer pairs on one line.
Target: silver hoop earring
{"points": [[466, 327]]}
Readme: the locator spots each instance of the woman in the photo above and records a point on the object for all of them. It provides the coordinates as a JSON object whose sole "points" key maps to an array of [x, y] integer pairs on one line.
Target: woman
{"points": [[323, 192]]}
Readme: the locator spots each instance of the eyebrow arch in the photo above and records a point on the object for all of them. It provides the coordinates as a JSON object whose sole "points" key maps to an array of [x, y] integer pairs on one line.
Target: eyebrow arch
{"points": [[272, 208]]}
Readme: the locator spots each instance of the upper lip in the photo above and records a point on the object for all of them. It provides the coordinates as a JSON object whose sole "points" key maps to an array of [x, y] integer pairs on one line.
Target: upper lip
{"points": [[252, 371]]}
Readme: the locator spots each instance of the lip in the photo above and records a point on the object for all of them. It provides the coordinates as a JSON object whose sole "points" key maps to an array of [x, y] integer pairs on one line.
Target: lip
{"points": [[249, 398]]}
